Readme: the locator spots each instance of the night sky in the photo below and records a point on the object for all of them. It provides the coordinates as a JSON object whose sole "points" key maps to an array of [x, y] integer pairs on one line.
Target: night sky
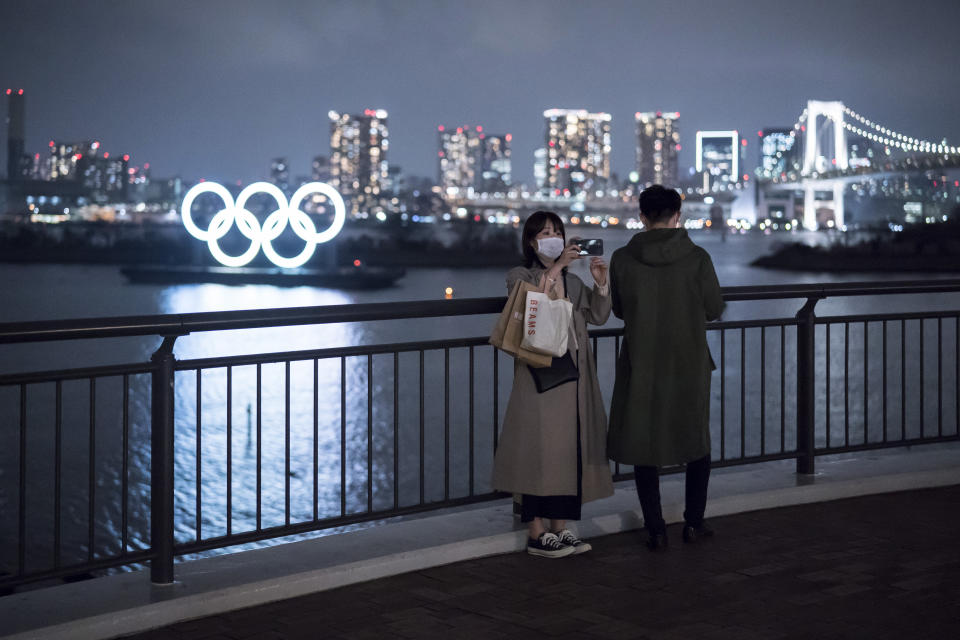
{"points": [[215, 89]]}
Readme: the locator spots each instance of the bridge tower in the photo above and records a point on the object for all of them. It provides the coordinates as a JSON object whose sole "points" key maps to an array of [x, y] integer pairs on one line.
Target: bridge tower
{"points": [[832, 111]]}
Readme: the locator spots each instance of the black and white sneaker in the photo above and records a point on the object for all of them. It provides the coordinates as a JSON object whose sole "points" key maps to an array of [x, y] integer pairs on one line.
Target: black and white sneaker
{"points": [[548, 545], [568, 538]]}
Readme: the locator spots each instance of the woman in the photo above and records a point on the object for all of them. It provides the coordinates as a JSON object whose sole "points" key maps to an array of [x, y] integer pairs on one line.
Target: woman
{"points": [[553, 445]]}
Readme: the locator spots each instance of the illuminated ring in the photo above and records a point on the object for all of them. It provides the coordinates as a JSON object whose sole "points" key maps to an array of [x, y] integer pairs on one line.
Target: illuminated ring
{"points": [[192, 194], [300, 223], [247, 225], [339, 209]]}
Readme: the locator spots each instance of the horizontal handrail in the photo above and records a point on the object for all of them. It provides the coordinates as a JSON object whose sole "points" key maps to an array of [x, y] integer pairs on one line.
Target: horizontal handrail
{"points": [[412, 346], [105, 371], [183, 324]]}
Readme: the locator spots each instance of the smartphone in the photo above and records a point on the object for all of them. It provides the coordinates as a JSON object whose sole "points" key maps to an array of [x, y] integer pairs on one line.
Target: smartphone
{"points": [[592, 247]]}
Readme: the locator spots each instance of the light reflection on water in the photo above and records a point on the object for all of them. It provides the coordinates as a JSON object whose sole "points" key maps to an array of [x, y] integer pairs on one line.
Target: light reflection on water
{"points": [[45, 291], [241, 437]]}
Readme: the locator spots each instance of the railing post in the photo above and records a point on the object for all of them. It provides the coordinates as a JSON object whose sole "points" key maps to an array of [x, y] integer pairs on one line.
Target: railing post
{"points": [[161, 464], [806, 357]]}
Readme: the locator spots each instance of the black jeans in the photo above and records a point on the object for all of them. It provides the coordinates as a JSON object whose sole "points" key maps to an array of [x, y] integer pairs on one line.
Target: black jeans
{"points": [[648, 490]]}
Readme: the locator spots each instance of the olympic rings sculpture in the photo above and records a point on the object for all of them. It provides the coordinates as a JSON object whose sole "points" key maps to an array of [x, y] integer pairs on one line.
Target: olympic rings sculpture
{"points": [[262, 237]]}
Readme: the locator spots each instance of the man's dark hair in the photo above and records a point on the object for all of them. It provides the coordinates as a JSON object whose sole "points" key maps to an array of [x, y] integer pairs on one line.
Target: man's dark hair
{"points": [[534, 225], [657, 203]]}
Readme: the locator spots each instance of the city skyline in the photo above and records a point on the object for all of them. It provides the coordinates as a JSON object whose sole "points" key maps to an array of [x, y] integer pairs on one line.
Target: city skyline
{"points": [[164, 85]]}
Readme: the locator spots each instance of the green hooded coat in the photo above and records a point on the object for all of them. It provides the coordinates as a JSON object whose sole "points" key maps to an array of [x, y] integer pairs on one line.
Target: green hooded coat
{"points": [[665, 289]]}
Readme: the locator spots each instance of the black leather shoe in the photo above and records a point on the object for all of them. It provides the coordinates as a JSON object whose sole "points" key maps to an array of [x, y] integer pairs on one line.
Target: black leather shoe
{"points": [[657, 541], [691, 533]]}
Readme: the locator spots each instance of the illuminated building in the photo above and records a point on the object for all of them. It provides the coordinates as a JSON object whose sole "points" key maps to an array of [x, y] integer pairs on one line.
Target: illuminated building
{"points": [[864, 152], [319, 172], [459, 159], [396, 183], [320, 169], [104, 177], [138, 181], [39, 168], [718, 159], [18, 162], [775, 146], [540, 168], [280, 174], [358, 156], [578, 151], [658, 144], [65, 159], [470, 161], [496, 167]]}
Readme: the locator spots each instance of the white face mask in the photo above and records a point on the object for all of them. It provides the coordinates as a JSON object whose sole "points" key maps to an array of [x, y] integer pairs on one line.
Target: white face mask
{"points": [[550, 247]]}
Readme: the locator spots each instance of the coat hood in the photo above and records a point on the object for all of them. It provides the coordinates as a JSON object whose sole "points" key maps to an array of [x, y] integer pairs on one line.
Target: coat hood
{"points": [[660, 246]]}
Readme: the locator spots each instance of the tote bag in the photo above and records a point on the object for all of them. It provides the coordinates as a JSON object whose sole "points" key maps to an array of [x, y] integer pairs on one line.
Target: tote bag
{"points": [[547, 324], [507, 333]]}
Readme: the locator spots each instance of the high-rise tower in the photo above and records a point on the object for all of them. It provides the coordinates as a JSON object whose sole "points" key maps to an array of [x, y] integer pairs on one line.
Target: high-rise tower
{"points": [[469, 160], [578, 151], [496, 168], [358, 155], [18, 163], [775, 147], [280, 174], [658, 143], [718, 159], [459, 159]]}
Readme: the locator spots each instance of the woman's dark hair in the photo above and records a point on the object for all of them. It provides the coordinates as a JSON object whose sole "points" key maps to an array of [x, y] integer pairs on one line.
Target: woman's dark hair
{"points": [[534, 225], [659, 203]]}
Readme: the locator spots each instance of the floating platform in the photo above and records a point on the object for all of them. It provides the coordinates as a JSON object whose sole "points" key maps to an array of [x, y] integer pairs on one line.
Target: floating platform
{"points": [[335, 278], [797, 257], [922, 247]]}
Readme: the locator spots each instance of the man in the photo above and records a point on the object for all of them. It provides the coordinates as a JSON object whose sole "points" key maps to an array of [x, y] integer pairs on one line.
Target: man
{"points": [[665, 289]]}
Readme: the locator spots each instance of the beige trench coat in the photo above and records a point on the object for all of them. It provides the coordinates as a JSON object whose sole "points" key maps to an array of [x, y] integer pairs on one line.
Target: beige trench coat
{"points": [[537, 452]]}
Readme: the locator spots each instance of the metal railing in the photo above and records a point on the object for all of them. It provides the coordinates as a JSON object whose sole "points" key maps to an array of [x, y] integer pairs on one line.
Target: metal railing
{"points": [[367, 432]]}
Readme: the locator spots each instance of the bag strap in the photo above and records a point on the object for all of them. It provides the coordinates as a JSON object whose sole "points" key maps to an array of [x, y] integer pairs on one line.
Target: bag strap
{"points": [[543, 282]]}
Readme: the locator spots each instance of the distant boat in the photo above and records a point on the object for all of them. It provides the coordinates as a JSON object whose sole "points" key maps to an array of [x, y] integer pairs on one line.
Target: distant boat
{"points": [[362, 277]]}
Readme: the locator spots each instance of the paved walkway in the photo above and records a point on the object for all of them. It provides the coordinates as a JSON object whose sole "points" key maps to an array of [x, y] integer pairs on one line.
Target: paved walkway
{"points": [[881, 566]]}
